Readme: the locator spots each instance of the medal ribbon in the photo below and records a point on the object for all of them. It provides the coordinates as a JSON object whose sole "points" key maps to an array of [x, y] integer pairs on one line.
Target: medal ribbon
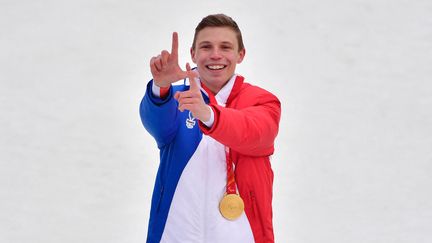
{"points": [[231, 184]]}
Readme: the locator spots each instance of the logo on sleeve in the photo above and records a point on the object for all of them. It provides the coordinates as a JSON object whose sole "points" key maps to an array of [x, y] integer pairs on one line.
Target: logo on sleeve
{"points": [[190, 121]]}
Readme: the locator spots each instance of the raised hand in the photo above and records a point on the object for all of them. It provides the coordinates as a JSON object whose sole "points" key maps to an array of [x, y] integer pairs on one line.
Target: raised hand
{"points": [[165, 68], [192, 99]]}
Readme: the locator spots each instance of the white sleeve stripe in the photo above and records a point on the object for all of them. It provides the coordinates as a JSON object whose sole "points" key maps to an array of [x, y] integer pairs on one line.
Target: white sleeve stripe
{"points": [[155, 90]]}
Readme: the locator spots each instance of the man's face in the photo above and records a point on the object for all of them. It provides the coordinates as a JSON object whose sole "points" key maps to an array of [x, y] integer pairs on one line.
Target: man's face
{"points": [[216, 54]]}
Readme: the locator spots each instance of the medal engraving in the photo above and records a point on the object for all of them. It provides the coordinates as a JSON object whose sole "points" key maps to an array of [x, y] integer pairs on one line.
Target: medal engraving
{"points": [[231, 206]]}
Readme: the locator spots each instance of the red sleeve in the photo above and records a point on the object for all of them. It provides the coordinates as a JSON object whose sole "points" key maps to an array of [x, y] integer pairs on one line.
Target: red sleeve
{"points": [[250, 130], [164, 91]]}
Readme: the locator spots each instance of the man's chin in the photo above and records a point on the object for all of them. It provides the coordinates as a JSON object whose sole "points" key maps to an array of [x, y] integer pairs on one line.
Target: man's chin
{"points": [[213, 80]]}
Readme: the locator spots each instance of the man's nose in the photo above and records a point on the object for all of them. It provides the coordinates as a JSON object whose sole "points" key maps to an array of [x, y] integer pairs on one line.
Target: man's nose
{"points": [[215, 53]]}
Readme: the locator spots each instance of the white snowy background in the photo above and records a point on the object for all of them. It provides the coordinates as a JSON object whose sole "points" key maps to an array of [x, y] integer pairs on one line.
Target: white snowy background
{"points": [[353, 159]]}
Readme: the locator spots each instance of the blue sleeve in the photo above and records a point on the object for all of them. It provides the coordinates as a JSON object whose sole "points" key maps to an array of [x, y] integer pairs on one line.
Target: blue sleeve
{"points": [[159, 116]]}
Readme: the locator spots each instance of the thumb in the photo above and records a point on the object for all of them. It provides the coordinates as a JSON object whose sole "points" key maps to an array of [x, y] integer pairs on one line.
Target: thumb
{"points": [[192, 78]]}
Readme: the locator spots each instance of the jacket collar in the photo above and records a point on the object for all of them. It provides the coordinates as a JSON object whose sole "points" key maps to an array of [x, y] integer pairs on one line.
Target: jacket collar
{"points": [[228, 92]]}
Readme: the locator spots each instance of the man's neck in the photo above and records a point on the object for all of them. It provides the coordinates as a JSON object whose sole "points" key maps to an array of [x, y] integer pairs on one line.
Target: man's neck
{"points": [[214, 88]]}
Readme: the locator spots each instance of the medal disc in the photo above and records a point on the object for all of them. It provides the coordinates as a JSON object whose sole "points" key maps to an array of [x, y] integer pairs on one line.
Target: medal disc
{"points": [[231, 206]]}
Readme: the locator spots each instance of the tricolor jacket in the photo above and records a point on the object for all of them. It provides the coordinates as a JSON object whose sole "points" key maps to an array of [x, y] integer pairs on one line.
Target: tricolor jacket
{"points": [[191, 178]]}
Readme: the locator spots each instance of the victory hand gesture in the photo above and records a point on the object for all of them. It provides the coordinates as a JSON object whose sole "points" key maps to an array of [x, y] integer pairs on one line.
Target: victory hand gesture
{"points": [[165, 68]]}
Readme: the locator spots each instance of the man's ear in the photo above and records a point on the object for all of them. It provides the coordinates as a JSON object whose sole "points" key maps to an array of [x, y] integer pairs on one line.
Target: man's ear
{"points": [[242, 54], [192, 52]]}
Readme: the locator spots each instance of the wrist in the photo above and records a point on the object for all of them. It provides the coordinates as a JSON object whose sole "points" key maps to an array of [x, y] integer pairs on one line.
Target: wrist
{"points": [[160, 84], [210, 118]]}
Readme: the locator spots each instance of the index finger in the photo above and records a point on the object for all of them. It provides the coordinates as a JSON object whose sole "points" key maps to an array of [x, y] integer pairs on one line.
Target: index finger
{"points": [[174, 47], [192, 78]]}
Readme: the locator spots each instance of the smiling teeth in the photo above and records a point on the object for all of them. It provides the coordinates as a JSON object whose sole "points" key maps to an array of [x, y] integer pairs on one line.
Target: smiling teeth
{"points": [[216, 67]]}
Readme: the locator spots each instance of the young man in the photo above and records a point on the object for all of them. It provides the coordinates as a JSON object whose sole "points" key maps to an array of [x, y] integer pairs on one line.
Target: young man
{"points": [[215, 135]]}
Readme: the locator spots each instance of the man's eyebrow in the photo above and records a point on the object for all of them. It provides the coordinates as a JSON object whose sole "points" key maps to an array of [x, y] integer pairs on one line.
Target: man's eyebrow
{"points": [[204, 42], [227, 42], [208, 42]]}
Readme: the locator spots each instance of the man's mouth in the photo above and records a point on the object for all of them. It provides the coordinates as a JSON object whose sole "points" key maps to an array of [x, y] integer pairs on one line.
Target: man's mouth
{"points": [[215, 67]]}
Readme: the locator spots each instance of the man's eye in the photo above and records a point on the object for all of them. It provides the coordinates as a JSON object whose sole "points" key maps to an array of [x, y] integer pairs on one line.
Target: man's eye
{"points": [[205, 47]]}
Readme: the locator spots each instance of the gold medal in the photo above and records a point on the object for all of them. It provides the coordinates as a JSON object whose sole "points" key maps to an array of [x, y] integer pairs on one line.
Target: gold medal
{"points": [[231, 206]]}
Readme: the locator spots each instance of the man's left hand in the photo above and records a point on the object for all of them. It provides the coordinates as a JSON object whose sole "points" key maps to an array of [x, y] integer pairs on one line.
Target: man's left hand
{"points": [[192, 99]]}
